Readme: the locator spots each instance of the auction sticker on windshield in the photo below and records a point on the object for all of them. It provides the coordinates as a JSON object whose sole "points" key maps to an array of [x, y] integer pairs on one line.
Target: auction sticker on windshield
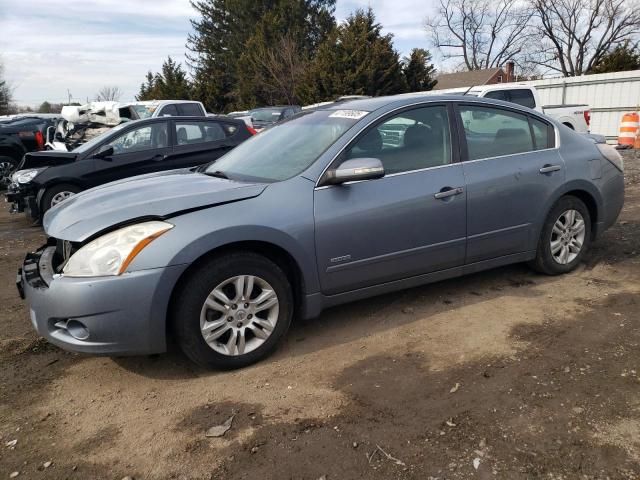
{"points": [[354, 114]]}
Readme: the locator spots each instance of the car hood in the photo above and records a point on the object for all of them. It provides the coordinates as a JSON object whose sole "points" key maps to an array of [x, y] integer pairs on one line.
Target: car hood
{"points": [[48, 158], [139, 198]]}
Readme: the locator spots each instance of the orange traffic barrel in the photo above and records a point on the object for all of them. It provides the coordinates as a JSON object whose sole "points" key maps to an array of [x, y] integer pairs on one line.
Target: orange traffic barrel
{"points": [[628, 129]]}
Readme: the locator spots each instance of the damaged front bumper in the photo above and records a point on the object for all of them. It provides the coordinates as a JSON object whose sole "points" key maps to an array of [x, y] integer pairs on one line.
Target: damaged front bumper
{"points": [[23, 198], [114, 315]]}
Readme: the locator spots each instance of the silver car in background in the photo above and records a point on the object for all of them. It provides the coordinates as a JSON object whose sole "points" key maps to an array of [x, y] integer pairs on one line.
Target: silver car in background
{"points": [[338, 204]]}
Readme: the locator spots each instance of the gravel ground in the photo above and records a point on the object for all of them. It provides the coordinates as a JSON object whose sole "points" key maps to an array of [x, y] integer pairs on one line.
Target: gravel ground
{"points": [[504, 374]]}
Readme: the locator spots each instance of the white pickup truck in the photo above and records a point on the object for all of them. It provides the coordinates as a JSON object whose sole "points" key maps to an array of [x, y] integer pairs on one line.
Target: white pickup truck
{"points": [[576, 117]]}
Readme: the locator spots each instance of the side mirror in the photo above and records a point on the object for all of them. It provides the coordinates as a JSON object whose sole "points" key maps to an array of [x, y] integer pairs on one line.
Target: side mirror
{"points": [[354, 170], [104, 152]]}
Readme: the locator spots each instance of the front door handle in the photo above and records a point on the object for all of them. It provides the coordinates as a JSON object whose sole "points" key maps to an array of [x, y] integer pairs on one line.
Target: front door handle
{"points": [[550, 168], [158, 158], [448, 192]]}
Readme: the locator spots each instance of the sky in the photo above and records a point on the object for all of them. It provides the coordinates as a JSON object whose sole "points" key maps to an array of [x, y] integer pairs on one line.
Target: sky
{"points": [[53, 48]]}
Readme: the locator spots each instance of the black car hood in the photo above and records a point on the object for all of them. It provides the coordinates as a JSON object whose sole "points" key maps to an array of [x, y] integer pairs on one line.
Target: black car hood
{"points": [[49, 158], [149, 196]]}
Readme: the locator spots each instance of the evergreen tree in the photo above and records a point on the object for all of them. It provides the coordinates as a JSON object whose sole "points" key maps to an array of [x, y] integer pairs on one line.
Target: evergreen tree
{"points": [[622, 58], [419, 71], [231, 35], [169, 84], [357, 59]]}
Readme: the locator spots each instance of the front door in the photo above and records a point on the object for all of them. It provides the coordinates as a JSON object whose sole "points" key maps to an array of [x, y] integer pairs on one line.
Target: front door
{"points": [[410, 222], [511, 169], [135, 152]]}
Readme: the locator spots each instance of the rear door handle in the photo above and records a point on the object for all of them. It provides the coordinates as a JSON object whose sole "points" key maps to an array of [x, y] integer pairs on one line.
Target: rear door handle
{"points": [[158, 158], [550, 168], [448, 192]]}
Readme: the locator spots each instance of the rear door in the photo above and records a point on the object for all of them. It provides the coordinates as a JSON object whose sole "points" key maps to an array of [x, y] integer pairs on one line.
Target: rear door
{"points": [[138, 150], [200, 141], [512, 167]]}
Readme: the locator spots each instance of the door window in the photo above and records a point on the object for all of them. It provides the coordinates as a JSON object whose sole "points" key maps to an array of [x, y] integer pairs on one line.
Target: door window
{"points": [[542, 134], [142, 138], [188, 133], [492, 132], [411, 140]]}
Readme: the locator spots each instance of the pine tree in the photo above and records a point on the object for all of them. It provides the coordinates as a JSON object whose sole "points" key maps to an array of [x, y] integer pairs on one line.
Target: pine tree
{"points": [[357, 59], [622, 58], [419, 71], [169, 84], [231, 35]]}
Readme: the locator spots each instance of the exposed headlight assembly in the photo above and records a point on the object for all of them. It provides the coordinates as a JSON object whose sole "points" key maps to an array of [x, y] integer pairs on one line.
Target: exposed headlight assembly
{"points": [[112, 253], [25, 176]]}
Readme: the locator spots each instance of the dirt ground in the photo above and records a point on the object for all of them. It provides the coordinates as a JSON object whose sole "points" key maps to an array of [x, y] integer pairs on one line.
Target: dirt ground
{"points": [[505, 374]]}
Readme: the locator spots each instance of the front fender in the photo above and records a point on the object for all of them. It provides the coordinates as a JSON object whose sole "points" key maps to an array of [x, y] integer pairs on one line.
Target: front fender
{"points": [[269, 219]]}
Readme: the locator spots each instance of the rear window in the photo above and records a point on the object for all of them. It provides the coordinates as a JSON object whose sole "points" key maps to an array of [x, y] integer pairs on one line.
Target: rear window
{"points": [[190, 110], [523, 97], [169, 110]]}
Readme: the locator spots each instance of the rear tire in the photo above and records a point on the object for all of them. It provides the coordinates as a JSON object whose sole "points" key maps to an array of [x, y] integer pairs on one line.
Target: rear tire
{"points": [[213, 302], [565, 237], [55, 194]]}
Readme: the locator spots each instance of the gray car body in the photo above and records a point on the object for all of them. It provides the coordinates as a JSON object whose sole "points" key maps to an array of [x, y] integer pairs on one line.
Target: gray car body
{"points": [[338, 243]]}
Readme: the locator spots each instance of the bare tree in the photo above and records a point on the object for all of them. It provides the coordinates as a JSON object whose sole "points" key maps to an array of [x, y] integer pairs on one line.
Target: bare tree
{"points": [[480, 33], [577, 34], [284, 67], [109, 94]]}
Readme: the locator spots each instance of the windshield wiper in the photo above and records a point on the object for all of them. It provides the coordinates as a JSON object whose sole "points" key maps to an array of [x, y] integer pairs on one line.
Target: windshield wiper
{"points": [[218, 173]]}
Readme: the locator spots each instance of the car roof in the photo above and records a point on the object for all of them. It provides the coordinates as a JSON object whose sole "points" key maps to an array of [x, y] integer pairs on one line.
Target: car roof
{"points": [[405, 99]]}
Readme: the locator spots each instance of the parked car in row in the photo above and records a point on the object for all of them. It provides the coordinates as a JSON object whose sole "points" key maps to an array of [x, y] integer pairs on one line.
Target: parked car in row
{"points": [[269, 116], [18, 136], [46, 178], [319, 210], [577, 117]]}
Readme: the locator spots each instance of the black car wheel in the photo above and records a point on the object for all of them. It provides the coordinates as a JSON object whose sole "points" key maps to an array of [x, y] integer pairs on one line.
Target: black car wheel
{"points": [[7, 166], [232, 311], [565, 237], [56, 194]]}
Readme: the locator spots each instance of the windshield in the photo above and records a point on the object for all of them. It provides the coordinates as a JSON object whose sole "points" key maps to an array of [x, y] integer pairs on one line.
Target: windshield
{"points": [[85, 147], [266, 114], [286, 149]]}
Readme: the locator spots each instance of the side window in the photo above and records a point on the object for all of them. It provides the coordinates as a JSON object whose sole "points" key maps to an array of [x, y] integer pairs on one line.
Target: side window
{"points": [[190, 109], [542, 134], [188, 133], [411, 140], [169, 110], [142, 138], [522, 96], [497, 95], [492, 132]]}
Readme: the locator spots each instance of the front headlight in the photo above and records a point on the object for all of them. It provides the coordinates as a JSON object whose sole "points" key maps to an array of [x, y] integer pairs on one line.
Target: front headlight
{"points": [[25, 176], [112, 253]]}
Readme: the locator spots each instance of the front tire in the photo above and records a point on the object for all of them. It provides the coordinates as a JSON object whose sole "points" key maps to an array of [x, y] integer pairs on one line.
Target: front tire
{"points": [[56, 194], [565, 237], [232, 311]]}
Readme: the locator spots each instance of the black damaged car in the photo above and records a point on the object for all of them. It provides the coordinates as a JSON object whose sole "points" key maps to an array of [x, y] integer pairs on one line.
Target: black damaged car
{"points": [[44, 179]]}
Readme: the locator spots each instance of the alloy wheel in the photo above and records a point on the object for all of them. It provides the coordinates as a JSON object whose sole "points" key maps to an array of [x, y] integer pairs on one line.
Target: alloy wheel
{"points": [[567, 236], [60, 196], [239, 315]]}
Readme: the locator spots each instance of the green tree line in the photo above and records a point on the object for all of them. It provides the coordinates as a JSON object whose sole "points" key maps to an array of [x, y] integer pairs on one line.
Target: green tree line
{"points": [[244, 54]]}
